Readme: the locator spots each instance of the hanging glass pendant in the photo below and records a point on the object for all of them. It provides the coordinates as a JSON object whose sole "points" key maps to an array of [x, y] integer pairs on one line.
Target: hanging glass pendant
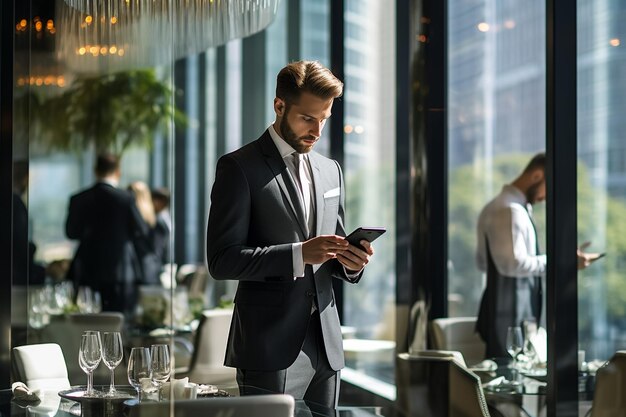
{"points": [[101, 36]]}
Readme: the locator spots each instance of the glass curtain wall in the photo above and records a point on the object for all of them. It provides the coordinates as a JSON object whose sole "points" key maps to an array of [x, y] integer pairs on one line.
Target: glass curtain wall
{"points": [[315, 45], [496, 101], [369, 170], [170, 118], [601, 176], [79, 93]]}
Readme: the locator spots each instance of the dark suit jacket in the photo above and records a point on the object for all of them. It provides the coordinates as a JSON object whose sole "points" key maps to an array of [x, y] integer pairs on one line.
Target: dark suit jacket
{"points": [[106, 221], [254, 219], [506, 302]]}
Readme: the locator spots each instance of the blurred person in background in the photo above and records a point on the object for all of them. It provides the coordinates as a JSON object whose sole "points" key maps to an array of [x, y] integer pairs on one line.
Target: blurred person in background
{"points": [[145, 246], [25, 270], [163, 227], [106, 222]]}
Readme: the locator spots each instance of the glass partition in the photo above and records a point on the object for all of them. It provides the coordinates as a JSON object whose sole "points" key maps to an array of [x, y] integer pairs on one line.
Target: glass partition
{"points": [[98, 249], [601, 178], [496, 122], [369, 171]]}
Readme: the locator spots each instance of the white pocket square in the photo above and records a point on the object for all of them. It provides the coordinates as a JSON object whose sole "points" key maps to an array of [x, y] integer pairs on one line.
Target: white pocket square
{"points": [[332, 193]]}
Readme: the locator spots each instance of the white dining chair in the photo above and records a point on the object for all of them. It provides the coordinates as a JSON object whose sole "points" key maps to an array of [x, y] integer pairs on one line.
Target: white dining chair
{"points": [[41, 366], [207, 361], [457, 334], [608, 397]]}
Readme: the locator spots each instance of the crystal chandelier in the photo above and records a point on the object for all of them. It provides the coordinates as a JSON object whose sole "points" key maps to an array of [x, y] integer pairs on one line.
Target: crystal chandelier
{"points": [[102, 36]]}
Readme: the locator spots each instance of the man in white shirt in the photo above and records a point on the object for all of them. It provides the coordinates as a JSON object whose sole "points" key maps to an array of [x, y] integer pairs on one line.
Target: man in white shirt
{"points": [[508, 252]]}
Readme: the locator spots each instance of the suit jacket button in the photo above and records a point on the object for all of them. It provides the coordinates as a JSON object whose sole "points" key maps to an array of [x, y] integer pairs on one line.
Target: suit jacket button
{"points": [[310, 293]]}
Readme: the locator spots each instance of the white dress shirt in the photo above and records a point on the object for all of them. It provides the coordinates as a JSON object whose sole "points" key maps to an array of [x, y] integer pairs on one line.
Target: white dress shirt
{"points": [[286, 151], [506, 224]]}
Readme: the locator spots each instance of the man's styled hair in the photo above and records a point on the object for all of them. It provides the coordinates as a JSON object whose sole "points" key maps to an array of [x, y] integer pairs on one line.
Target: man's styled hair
{"points": [[106, 164], [307, 76], [538, 162]]}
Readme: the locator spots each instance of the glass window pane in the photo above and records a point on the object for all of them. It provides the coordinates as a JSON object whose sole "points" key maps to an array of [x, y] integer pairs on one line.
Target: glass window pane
{"points": [[315, 46], [369, 171], [601, 177], [496, 122]]}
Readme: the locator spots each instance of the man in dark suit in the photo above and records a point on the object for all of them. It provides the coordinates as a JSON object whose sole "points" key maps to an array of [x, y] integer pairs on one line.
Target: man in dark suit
{"points": [[105, 220], [276, 226]]}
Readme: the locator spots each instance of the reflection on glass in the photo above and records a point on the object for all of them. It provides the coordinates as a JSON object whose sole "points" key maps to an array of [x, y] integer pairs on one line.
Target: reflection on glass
{"points": [[496, 122], [601, 184]]}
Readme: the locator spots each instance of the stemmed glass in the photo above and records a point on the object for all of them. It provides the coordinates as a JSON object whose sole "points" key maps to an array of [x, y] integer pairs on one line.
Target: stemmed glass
{"points": [[139, 368], [161, 366], [89, 357], [84, 300], [112, 354], [514, 345]]}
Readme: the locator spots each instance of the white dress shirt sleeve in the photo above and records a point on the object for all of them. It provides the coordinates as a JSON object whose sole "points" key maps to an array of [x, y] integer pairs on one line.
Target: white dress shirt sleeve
{"points": [[512, 241], [298, 260]]}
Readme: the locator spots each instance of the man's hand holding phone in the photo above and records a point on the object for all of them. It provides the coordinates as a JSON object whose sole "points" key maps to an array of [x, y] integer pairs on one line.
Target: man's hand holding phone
{"points": [[360, 249], [354, 258], [586, 259]]}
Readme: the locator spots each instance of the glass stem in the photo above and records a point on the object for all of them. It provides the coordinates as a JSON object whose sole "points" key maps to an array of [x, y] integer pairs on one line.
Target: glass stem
{"points": [[159, 396], [90, 383], [112, 387]]}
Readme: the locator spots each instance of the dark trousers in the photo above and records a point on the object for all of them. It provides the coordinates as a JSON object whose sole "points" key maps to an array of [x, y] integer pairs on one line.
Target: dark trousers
{"points": [[309, 378]]}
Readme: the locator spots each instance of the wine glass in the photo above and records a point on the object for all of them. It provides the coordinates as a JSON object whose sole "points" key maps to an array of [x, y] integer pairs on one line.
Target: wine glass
{"points": [[89, 357], [514, 345], [161, 366], [112, 354], [84, 300], [139, 368]]}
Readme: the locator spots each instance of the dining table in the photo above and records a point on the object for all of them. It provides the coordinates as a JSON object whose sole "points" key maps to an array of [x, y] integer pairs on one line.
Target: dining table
{"points": [[528, 391], [73, 402]]}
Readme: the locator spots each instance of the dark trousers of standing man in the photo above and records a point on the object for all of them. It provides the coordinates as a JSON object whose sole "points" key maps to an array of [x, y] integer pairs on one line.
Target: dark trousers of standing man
{"points": [[310, 377]]}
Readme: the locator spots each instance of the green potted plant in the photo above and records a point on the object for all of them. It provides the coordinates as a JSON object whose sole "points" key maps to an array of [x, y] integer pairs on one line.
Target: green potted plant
{"points": [[107, 113]]}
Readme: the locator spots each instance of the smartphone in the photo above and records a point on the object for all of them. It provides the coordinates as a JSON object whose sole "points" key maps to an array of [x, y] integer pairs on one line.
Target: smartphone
{"points": [[364, 233]]}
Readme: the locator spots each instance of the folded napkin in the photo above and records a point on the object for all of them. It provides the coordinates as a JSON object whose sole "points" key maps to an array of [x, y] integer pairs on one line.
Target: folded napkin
{"points": [[22, 393], [183, 389], [496, 381]]}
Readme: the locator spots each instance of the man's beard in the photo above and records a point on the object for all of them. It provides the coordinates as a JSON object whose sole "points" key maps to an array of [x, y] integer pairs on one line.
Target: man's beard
{"points": [[531, 192], [292, 139]]}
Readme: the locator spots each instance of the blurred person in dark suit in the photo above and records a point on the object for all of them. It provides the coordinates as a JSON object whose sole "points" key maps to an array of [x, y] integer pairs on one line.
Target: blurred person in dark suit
{"points": [[25, 270], [149, 260], [163, 227], [106, 221]]}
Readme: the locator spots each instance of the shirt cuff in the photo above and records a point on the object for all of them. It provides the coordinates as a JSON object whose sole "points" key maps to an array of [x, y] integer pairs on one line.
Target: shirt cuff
{"points": [[298, 260], [351, 275]]}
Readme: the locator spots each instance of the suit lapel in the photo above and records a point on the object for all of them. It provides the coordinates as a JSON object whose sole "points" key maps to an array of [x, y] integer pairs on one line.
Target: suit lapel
{"points": [[285, 182]]}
